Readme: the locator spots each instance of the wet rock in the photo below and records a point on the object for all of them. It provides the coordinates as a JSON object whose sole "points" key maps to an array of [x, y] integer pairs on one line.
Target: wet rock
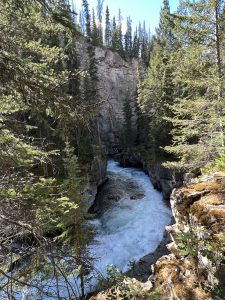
{"points": [[113, 190], [141, 269], [137, 196], [96, 177], [162, 178]]}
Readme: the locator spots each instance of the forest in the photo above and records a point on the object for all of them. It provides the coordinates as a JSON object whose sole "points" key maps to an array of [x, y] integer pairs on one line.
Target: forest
{"points": [[50, 136]]}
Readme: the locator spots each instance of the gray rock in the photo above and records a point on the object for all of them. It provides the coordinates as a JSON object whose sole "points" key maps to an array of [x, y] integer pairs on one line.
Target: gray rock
{"points": [[115, 77]]}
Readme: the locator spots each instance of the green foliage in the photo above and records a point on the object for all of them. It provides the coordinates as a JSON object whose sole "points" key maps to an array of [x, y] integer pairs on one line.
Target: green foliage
{"points": [[136, 45], [155, 96], [128, 289], [128, 38], [108, 36], [188, 244], [41, 187], [198, 115], [114, 275], [156, 92], [87, 17], [183, 95], [200, 241], [217, 165], [128, 134], [218, 293], [96, 39], [116, 42]]}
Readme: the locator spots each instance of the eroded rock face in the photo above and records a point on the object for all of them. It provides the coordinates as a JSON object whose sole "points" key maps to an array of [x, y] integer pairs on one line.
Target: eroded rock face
{"points": [[96, 177], [116, 76]]}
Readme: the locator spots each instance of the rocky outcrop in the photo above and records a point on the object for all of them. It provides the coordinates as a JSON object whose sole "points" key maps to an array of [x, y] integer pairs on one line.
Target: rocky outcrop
{"points": [[96, 177], [163, 179], [196, 258], [113, 190]]}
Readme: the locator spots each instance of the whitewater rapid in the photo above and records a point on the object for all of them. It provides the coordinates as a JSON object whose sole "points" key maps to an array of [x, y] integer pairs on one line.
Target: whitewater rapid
{"points": [[127, 230], [131, 228]]}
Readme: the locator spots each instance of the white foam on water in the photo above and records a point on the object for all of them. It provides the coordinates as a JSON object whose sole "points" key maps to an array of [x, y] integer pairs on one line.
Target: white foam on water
{"points": [[132, 228], [125, 232]]}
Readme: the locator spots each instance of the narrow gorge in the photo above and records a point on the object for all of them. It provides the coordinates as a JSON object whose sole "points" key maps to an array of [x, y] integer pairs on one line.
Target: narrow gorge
{"points": [[112, 150]]}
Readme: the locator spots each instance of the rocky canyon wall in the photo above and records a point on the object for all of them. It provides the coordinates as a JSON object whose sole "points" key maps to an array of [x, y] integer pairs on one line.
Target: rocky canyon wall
{"points": [[117, 77]]}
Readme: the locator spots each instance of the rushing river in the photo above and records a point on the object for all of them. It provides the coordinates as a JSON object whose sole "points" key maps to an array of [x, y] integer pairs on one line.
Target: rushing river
{"points": [[130, 226], [130, 229]]}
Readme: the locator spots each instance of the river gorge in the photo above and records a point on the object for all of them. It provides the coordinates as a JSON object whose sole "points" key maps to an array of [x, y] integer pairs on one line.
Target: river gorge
{"points": [[134, 224], [129, 223]]}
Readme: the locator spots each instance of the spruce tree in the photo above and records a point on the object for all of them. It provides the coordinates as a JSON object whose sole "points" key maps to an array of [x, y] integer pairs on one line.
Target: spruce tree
{"points": [[39, 96], [144, 44], [136, 45], [128, 134], [99, 17], [87, 17], [108, 36], [128, 38], [115, 36], [120, 35], [94, 31], [198, 134], [156, 93], [164, 32], [155, 96]]}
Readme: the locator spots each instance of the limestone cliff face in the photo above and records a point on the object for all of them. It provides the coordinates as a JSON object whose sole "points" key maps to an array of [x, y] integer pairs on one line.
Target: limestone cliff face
{"points": [[116, 76]]}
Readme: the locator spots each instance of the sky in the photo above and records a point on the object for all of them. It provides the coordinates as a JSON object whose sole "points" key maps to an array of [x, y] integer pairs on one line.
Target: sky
{"points": [[138, 10]]}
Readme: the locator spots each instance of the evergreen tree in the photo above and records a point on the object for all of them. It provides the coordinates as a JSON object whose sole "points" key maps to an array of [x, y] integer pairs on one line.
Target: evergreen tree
{"points": [[120, 34], [95, 31], [144, 47], [87, 17], [99, 16], [39, 95], [115, 36], [82, 21], [128, 38], [198, 121], [136, 45], [164, 32], [155, 96], [128, 134], [156, 93], [108, 36]]}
